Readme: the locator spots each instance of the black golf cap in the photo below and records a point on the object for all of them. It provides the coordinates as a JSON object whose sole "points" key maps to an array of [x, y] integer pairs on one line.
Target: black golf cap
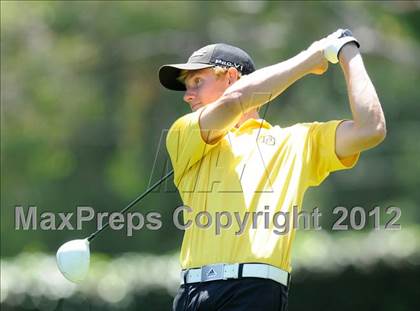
{"points": [[219, 54]]}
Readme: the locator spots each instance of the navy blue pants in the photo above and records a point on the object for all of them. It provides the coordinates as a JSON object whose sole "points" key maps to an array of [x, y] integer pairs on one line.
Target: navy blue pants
{"points": [[231, 295]]}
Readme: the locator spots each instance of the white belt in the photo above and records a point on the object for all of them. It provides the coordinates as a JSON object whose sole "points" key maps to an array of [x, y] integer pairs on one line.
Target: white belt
{"points": [[234, 271]]}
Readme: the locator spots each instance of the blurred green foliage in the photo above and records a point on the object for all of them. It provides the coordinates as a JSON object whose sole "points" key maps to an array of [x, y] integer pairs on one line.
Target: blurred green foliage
{"points": [[83, 115], [131, 281]]}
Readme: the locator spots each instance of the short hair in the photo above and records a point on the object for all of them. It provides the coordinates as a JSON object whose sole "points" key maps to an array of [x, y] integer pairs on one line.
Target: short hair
{"points": [[218, 70]]}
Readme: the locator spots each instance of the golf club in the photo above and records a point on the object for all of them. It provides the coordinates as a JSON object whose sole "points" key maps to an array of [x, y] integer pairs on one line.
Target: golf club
{"points": [[73, 257]]}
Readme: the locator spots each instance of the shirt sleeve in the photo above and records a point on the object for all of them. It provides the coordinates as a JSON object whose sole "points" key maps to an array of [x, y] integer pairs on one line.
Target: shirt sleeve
{"points": [[185, 144], [321, 157]]}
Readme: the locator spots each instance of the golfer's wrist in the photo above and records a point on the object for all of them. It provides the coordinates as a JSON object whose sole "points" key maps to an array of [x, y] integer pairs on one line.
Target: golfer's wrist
{"points": [[348, 53], [306, 61], [311, 60]]}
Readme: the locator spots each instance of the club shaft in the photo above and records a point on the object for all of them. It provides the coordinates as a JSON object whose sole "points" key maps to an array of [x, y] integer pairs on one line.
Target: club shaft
{"points": [[132, 203]]}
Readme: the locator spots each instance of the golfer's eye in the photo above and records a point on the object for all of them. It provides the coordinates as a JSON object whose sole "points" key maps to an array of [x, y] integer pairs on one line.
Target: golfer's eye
{"points": [[197, 81]]}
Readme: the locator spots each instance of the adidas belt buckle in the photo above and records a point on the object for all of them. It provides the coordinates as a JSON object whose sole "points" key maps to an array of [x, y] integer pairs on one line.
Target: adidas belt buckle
{"points": [[212, 272]]}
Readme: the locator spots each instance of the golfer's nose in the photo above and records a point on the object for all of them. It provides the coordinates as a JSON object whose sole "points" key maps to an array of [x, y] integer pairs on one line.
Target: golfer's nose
{"points": [[189, 96]]}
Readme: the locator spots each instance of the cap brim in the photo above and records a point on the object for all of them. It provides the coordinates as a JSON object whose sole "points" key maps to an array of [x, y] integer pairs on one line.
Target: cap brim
{"points": [[168, 74]]}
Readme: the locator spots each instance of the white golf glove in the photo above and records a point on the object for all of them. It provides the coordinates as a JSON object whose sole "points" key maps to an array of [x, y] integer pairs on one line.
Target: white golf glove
{"points": [[335, 43]]}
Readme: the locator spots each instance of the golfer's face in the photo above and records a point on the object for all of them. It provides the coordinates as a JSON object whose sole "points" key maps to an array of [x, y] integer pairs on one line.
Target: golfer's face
{"points": [[204, 87]]}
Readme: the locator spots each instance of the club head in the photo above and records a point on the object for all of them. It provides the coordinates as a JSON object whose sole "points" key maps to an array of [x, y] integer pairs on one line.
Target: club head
{"points": [[73, 260]]}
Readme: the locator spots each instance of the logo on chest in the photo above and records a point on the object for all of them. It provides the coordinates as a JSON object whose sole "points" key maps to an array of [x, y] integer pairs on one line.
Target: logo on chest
{"points": [[267, 139]]}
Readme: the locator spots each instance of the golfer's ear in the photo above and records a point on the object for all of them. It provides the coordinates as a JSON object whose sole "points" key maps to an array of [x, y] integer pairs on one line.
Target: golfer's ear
{"points": [[233, 75]]}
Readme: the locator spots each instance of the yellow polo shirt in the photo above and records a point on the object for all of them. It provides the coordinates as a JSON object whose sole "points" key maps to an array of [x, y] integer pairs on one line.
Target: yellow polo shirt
{"points": [[254, 168]]}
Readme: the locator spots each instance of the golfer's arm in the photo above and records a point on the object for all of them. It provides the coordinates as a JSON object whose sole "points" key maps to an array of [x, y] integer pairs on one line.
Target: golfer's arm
{"points": [[367, 129], [250, 92]]}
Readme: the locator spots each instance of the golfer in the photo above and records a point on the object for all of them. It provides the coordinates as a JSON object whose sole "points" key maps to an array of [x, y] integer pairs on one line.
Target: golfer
{"points": [[227, 159]]}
